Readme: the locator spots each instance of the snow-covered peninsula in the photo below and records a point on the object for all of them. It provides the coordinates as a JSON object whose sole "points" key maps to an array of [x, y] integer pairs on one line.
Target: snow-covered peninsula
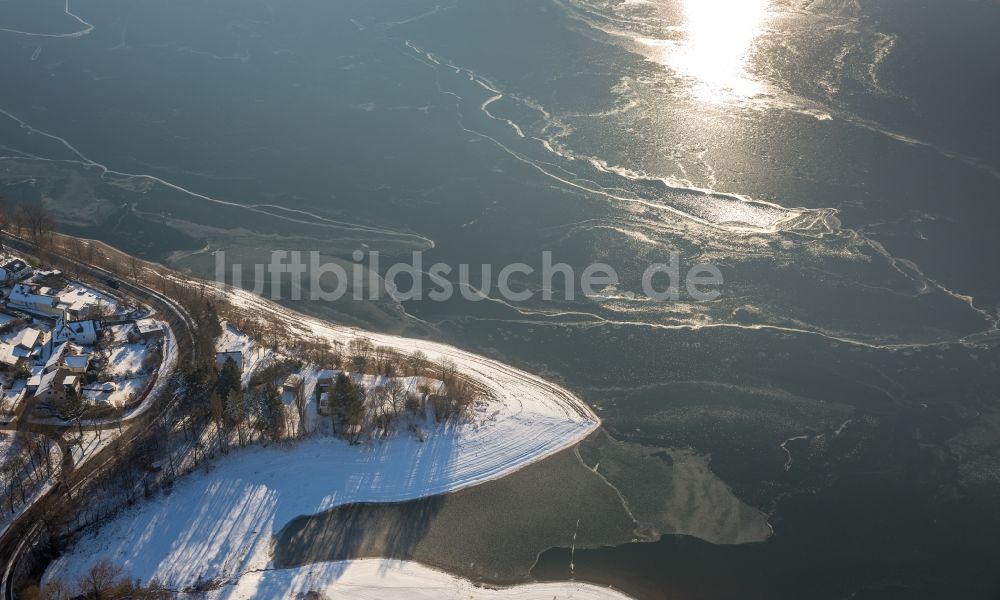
{"points": [[217, 525]]}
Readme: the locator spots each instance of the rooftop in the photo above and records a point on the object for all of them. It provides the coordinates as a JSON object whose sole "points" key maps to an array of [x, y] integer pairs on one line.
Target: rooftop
{"points": [[15, 265]]}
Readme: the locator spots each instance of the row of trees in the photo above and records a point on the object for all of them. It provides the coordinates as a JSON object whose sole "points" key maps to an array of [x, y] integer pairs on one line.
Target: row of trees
{"points": [[21, 219], [254, 413], [218, 412], [377, 409], [27, 463], [355, 409], [103, 581]]}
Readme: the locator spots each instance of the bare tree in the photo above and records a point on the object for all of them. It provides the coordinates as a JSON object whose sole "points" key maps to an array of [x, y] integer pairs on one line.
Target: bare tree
{"points": [[36, 220], [75, 247], [423, 392], [217, 410], [378, 403], [134, 267], [448, 369], [16, 220], [88, 252], [99, 581], [10, 472], [396, 395], [383, 357], [360, 351], [462, 395], [416, 363], [54, 589], [101, 310]]}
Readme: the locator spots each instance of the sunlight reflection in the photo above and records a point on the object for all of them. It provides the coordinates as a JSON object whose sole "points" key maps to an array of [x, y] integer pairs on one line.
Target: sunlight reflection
{"points": [[717, 38]]}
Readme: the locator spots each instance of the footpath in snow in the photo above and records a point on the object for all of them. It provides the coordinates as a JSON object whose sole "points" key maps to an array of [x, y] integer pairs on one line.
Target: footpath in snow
{"points": [[219, 525]]}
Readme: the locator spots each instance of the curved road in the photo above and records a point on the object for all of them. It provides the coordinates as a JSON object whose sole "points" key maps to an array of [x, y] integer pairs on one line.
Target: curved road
{"points": [[24, 531]]}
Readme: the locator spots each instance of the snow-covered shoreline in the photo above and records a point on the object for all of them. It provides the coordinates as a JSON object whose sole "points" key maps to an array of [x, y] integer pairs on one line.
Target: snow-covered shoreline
{"points": [[377, 579], [219, 525], [491, 374]]}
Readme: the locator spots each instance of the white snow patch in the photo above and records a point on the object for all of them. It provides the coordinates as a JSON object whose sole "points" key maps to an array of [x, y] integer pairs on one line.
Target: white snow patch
{"points": [[233, 340], [374, 579], [126, 359]]}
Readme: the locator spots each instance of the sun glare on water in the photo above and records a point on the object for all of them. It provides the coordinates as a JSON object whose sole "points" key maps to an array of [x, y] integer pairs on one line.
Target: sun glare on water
{"points": [[716, 39]]}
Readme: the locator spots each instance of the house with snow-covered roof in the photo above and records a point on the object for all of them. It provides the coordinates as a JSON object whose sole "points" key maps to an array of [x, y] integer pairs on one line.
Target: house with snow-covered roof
{"points": [[325, 378], [79, 302], [76, 364], [10, 357], [35, 299], [26, 346], [146, 329], [67, 356], [30, 338], [84, 333], [56, 352], [54, 386], [14, 269]]}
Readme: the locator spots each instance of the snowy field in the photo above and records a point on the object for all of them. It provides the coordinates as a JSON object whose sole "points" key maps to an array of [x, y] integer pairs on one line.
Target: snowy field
{"points": [[219, 525], [392, 580]]}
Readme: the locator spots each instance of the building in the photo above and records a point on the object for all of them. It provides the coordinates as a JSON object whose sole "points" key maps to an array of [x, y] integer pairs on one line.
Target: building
{"points": [[84, 333], [10, 357], [27, 346], [71, 383], [77, 308], [324, 384], [56, 352], [294, 398], [323, 404], [222, 357], [54, 387], [7, 357], [14, 269], [146, 329], [35, 299], [325, 379], [66, 356], [80, 302], [76, 364], [30, 339]]}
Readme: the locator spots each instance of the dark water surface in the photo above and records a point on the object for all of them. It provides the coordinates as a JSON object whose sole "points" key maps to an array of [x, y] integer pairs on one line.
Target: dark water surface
{"points": [[492, 532], [837, 160]]}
